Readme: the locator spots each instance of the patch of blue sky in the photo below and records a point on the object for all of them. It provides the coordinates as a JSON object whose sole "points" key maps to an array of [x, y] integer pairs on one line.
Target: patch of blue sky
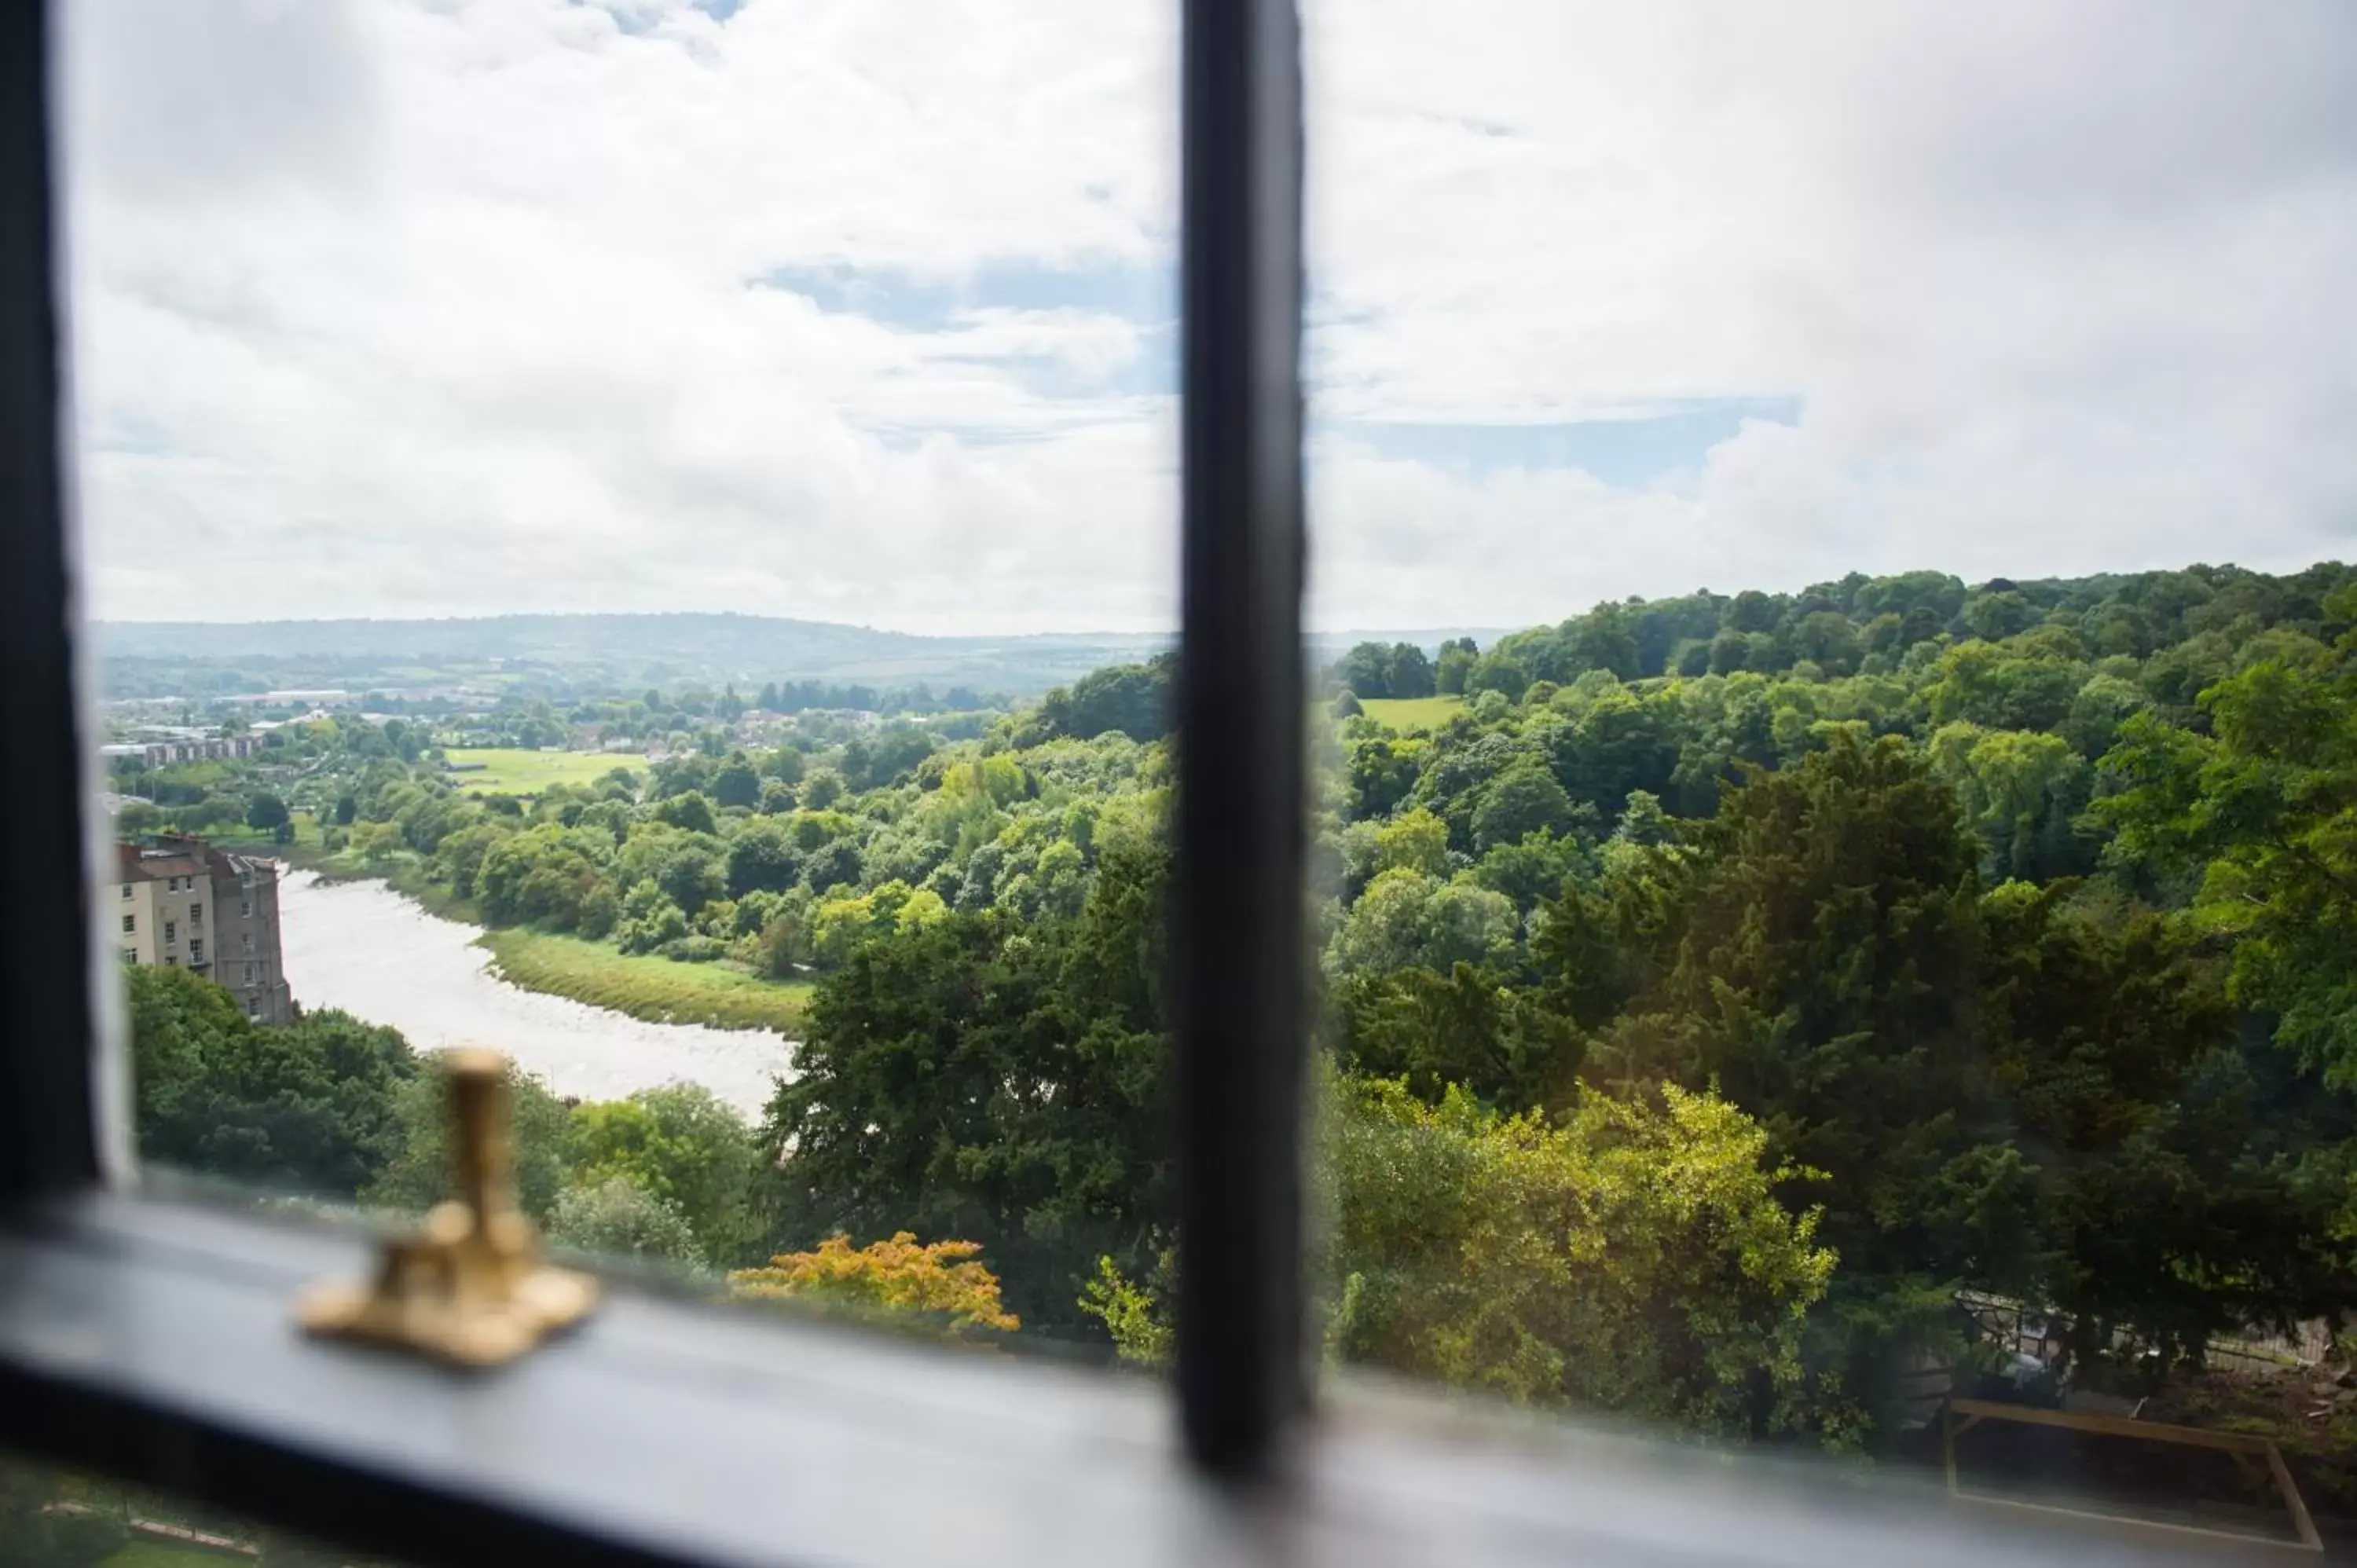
{"points": [[1144, 293], [1626, 454], [637, 18], [904, 438], [130, 433], [1153, 372]]}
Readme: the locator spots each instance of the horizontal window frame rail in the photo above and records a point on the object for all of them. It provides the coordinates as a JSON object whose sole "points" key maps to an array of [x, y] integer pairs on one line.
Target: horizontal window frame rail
{"points": [[154, 1340]]}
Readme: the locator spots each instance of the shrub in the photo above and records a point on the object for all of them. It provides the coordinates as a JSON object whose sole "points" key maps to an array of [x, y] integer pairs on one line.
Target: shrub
{"points": [[940, 1286], [617, 1217], [1634, 1258]]}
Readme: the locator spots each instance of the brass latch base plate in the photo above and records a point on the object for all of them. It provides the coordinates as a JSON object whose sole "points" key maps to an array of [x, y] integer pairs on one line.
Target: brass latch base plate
{"points": [[451, 1300], [470, 1290]]}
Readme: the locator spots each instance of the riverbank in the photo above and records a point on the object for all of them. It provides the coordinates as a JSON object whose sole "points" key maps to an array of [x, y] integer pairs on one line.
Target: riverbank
{"points": [[362, 946], [718, 995]]}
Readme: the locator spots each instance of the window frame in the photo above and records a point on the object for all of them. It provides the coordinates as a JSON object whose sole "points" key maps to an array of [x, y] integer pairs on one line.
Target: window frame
{"points": [[48, 1096]]}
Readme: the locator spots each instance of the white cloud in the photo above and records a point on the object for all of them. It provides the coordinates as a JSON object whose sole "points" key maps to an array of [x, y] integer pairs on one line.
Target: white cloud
{"points": [[391, 307], [2061, 288]]}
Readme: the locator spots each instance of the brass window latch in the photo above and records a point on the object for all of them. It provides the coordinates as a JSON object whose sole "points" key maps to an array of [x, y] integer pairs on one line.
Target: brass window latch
{"points": [[470, 1289]]}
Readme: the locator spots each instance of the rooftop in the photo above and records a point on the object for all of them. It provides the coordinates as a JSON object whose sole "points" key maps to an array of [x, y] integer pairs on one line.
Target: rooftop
{"points": [[136, 864]]}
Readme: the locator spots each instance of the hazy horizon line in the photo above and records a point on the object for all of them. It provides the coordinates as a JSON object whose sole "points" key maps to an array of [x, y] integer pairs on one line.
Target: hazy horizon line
{"points": [[1100, 633]]}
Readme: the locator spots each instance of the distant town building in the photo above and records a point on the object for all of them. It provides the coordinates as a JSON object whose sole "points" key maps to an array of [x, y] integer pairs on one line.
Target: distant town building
{"points": [[180, 901], [165, 751], [311, 695]]}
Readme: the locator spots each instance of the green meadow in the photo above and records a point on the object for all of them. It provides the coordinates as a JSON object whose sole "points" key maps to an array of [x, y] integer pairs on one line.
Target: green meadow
{"points": [[512, 770]]}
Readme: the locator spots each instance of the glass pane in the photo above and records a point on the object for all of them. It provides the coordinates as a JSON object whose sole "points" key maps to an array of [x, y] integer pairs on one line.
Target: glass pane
{"points": [[1837, 882], [641, 535]]}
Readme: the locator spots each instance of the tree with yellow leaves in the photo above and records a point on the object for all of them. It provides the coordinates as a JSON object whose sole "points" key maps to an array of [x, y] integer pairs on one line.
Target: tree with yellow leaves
{"points": [[940, 1284]]}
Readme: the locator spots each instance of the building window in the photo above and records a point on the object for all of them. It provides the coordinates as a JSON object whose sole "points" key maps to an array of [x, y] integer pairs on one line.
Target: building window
{"points": [[248, 939], [254, 1006], [125, 889], [196, 914], [130, 956], [249, 974], [245, 909], [196, 951], [171, 930], [130, 923]]}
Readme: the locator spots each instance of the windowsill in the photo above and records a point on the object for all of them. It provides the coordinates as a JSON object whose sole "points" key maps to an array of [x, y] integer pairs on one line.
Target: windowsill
{"points": [[665, 1433]]}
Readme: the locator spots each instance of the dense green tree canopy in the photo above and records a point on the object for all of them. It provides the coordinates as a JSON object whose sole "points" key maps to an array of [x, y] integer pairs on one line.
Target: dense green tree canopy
{"points": [[1134, 698], [682, 1148], [976, 1077], [2263, 810], [1634, 1257], [306, 1107]]}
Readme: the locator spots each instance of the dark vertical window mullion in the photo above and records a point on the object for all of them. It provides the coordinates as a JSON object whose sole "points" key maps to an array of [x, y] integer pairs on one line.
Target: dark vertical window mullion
{"points": [[47, 1131], [1241, 695]]}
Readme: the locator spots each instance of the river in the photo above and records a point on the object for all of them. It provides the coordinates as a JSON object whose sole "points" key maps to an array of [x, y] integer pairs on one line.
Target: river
{"points": [[361, 947]]}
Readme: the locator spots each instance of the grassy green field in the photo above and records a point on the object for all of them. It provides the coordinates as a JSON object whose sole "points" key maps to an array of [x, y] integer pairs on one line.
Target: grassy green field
{"points": [[655, 989], [511, 770], [1412, 713]]}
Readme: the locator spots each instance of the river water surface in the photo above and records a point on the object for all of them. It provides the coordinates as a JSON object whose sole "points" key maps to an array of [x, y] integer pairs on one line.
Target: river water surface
{"points": [[361, 947]]}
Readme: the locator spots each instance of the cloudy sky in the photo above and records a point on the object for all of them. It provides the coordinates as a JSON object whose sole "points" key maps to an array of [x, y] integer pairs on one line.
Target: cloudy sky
{"points": [[863, 311]]}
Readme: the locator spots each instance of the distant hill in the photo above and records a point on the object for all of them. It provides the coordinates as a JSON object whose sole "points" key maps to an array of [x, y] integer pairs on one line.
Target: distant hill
{"points": [[588, 653], [583, 651]]}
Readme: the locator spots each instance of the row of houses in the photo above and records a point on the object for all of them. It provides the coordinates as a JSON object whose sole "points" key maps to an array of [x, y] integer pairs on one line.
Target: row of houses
{"points": [[203, 749], [180, 901]]}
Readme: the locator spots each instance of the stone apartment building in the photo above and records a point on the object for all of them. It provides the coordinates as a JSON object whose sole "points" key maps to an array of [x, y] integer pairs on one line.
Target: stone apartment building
{"points": [[181, 901]]}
